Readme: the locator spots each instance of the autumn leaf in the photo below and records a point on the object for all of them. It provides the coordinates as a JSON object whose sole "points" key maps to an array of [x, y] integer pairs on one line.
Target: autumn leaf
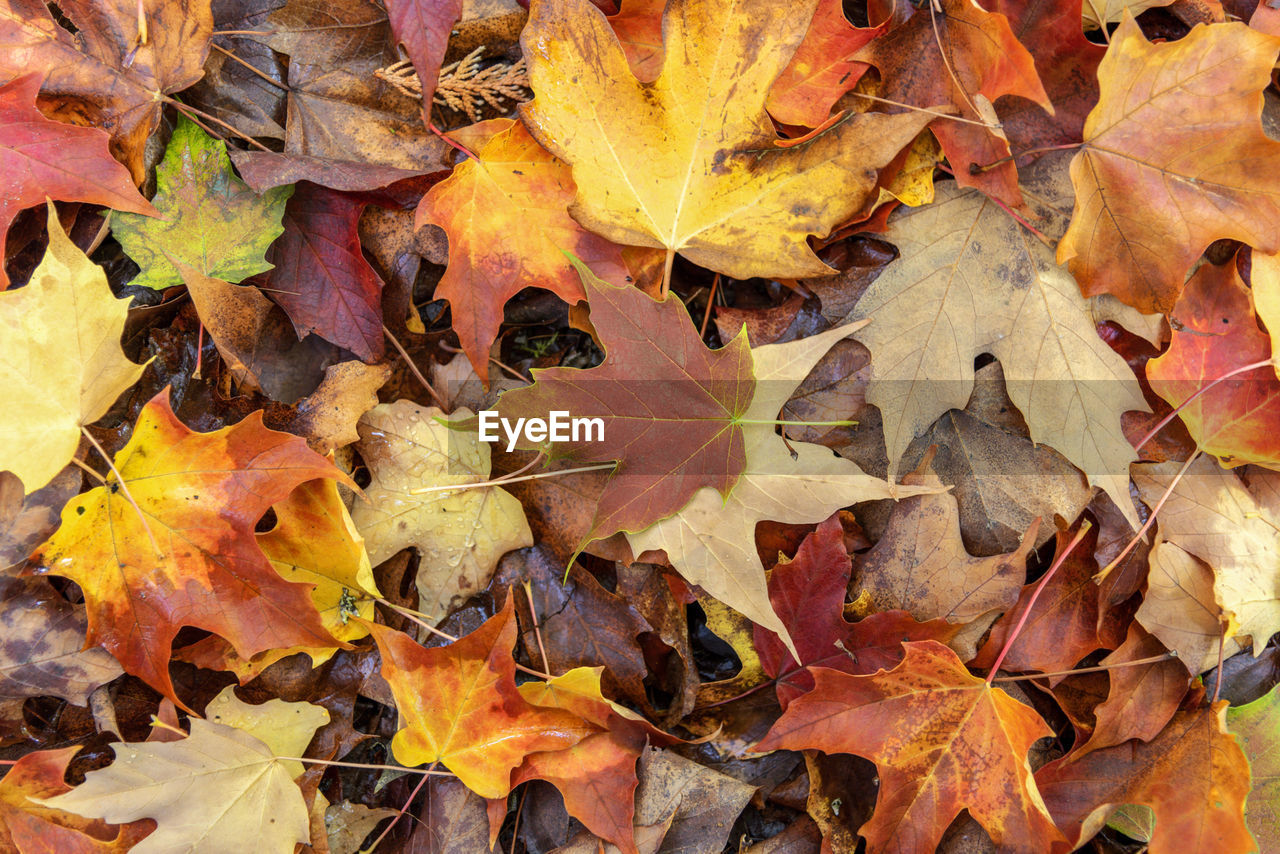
{"points": [[1172, 161], [191, 559], [920, 563], [822, 69], [721, 190], [43, 649], [57, 382], [461, 535], [42, 158], [1211, 515], [285, 728], [321, 277], [1141, 698], [514, 187], [1181, 609], [711, 540], [926, 724], [969, 279], [1254, 726], [203, 792], [671, 409], [1193, 775], [1214, 333], [422, 27], [207, 217], [957, 54], [28, 827], [461, 706], [96, 70], [1096, 13]]}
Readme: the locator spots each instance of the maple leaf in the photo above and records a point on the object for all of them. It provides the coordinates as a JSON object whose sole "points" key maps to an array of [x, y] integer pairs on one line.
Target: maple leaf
{"points": [[97, 71], [1179, 607], [1067, 63], [1255, 728], [1098, 13], [26, 827], [42, 158], [203, 791], [1141, 698], [970, 280], [1193, 775], [191, 559], [942, 740], [720, 189], [1174, 157], [461, 535], [671, 408], [285, 728], [516, 188], [207, 217], [959, 54], [43, 650], [461, 707], [822, 69], [1211, 514], [56, 379], [338, 107], [1214, 332], [808, 596], [422, 27], [1265, 293], [321, 277], [638, 26], [920, 564], [711, 540]]}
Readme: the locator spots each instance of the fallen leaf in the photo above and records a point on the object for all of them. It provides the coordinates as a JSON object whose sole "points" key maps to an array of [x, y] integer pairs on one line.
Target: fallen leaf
{"points": [[514, 187], [349, 824], [711, 540], [42, 158], [654, 363], [1265, 292], [422, 28], [822, 68], [43, 648], [1172, 161], [1061, 626], [26, 521], [338, 107], [462, 709], [1180, 609], [327, 417], [28, 827], [201, 493], [203, 792], [921, 566], [285, 728], [61, 363], [970, 280], [1097, 13], [957, 54], [1215, 332], [638, 26], [1142, 698], [461, 535], [321, 277], [96, 71], [205, 216], [1211, 515], [721, 191], [1193, 775], [1254, 726], [924, 723]]}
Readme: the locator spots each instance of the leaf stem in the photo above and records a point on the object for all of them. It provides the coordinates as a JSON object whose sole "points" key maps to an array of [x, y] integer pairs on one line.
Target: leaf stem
{"points": [[124, 487], [666, 274], [422, 490], [440, 401], [1181, 406], [188, 111], [1164, 656], [976, 169], [1151, 520], [408, 801], [1031, 603]]}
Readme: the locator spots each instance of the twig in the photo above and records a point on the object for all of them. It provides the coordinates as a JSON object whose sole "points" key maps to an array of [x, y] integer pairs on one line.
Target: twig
{"points": [[537, 632], [711, 298], [440, 402]]}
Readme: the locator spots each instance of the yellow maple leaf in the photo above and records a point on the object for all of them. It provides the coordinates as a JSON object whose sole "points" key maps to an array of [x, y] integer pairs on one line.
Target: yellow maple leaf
{"points": [[61, 365], [691, 162]]}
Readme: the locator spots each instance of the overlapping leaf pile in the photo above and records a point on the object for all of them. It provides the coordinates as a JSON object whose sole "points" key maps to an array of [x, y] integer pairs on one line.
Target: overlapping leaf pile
{"points": [[928, 490]]}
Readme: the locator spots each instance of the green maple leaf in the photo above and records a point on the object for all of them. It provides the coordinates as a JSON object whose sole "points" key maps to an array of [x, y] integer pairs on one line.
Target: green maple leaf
{"points": [[209, 218]]}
